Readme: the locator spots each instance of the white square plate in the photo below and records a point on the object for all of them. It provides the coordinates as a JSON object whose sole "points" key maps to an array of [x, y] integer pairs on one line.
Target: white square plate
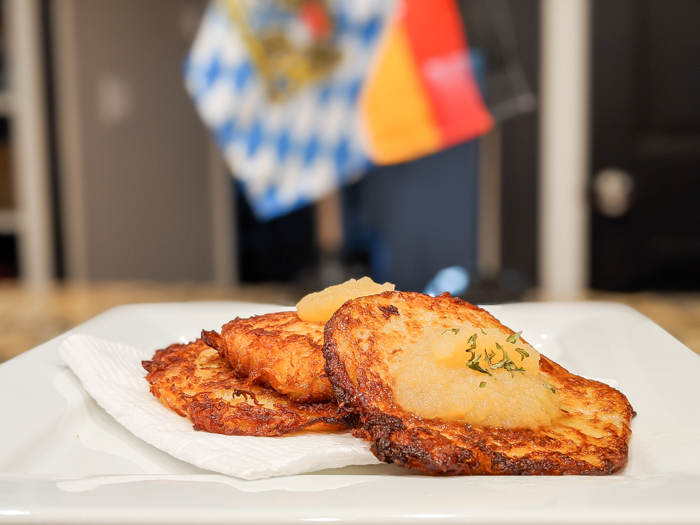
{"points": [[64, 459]]}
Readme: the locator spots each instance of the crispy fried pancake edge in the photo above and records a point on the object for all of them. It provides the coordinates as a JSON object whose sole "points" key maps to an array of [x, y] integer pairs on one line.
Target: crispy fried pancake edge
{"points": [[195, 382], [359, 378]]}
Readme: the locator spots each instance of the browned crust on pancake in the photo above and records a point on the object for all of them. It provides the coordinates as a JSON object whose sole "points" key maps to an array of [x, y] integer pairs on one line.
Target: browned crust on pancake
{"points": [[197, 383], [279, 350], [590, 438]]}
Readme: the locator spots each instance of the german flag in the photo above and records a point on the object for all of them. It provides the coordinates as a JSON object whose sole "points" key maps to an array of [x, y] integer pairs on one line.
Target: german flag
{"points": [[421, 96]]}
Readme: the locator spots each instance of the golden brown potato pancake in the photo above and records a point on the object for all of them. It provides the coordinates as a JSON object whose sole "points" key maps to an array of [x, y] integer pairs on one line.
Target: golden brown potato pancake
{"points": [[279, 350], [196, 382], [369, 339]]}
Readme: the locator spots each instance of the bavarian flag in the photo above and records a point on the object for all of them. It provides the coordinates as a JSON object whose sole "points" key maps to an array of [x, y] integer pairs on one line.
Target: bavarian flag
{"points": [[305, 96]]}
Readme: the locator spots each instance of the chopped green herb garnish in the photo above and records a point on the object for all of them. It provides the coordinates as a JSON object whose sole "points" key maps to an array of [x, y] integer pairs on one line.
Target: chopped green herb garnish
{"points": [[453, 330], [514, 337], [482, 384], [490, 355], [512, 368], [473, 363], [550, 387], [506, 363], [472, 342], [498, 365], [483, 331], [523, 353]]}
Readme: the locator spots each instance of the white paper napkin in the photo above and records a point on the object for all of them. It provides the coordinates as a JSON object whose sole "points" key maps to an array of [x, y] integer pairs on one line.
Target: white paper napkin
{"points": [[112, 374]]}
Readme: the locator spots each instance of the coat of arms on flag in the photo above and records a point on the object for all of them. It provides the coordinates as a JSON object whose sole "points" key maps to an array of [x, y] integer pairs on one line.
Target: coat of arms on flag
{"points": [[305, 96], [292, 43]]}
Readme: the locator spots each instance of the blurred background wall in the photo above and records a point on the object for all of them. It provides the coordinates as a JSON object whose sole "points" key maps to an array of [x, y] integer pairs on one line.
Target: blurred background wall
{"points": [[136, 191], [132, 155], [127, 160]]}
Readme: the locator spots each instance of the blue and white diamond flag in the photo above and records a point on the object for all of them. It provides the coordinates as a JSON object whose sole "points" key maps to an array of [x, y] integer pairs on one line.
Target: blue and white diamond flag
{"points": [[278, 87]]}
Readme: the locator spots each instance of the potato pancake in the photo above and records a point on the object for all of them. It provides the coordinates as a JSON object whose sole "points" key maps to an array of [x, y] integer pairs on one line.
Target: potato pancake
{"points": [[279, 350], [197, 383], [442, 386]]}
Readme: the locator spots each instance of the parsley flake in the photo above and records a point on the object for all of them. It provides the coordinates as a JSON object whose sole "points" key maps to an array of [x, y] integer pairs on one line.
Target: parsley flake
{"points": [[490, 355], [514, 337], [523, 353], [506, 363], [473, 363]]}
